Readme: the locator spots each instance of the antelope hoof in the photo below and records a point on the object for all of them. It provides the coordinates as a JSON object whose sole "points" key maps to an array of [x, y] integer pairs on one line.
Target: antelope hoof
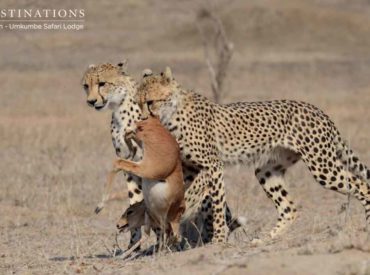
{"points": [[99, 208]]}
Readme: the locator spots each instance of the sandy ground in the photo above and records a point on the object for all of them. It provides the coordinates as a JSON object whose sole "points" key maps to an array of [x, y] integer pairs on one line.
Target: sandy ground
{"points": [[55, 151]]}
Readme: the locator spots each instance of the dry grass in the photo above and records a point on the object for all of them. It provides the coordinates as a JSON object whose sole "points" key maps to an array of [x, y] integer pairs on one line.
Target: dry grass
{"points": [[55, 151]]}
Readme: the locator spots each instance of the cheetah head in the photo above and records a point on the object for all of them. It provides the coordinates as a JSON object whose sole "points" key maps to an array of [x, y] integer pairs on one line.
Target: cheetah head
{"points": [[106, 85], [133, 217], [158, 95]]}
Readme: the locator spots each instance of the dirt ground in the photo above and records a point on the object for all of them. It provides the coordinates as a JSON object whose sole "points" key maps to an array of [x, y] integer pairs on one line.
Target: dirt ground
{"points": [[55, 151]]}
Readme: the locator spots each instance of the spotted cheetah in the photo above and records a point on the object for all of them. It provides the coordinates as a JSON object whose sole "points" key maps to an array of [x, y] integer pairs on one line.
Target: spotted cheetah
{"points": [[272, 135], [109, 86]]}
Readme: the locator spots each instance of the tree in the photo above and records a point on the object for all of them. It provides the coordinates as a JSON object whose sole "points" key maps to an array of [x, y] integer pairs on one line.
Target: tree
{"points": [[221, 47]]}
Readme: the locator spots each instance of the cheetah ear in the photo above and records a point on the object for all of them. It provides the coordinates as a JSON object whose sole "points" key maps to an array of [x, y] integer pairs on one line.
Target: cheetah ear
{"points": [[167, 74], [147, 72], [91, 66], [123, 66]]}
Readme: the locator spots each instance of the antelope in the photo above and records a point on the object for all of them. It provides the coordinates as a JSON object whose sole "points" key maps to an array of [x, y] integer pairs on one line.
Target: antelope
{"points": [[161, 171]]}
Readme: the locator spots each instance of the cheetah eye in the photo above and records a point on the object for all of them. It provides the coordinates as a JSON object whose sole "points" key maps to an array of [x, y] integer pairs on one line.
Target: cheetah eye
{"points": [[86, 86], [150, 102], [129, 212], [101, 84]]}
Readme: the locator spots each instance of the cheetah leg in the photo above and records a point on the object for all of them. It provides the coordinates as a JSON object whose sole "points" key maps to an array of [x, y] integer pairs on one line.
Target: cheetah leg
{"points": [[135, 195], [194, 193], [333, 175], [206, 211], [217, 193], [330, 169], [212, 178], [207, 219], [232, 222], [271, 178], [196, 200]]}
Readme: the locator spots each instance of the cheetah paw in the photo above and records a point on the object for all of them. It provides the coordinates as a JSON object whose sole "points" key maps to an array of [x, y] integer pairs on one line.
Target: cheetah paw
{"points": [[257, 242]]}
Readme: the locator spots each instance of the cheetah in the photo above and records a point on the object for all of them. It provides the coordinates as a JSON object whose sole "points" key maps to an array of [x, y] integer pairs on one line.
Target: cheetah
{"points": [[109, 86], [271, 135]]}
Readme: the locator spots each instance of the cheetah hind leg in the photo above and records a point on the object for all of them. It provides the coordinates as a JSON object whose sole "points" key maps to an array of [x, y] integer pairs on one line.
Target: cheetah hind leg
{"points": [[271, 178], [232, 222]]}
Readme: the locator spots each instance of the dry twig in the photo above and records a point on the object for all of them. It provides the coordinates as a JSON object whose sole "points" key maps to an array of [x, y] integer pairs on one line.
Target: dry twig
{"points": [[223, 49]]}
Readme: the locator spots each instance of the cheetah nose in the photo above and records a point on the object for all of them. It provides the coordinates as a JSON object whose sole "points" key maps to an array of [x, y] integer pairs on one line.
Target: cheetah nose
{"points": [[91, 102]]}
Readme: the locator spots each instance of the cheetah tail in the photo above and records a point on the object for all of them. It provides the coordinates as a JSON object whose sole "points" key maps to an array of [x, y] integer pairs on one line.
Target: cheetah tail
{"points": [[351, 161]]}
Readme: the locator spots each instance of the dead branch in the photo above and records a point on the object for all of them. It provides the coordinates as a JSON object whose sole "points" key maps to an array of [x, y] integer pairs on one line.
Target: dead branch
{"points": [[222, 48]]}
